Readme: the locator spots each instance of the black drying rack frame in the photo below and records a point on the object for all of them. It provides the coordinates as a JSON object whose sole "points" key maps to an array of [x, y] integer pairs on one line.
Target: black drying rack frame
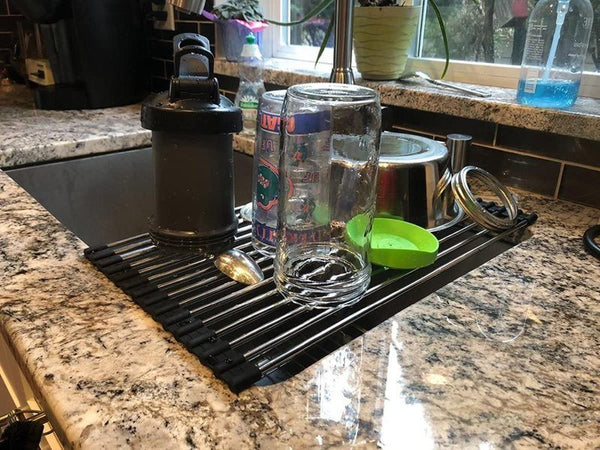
{"points": [[252, 335]]}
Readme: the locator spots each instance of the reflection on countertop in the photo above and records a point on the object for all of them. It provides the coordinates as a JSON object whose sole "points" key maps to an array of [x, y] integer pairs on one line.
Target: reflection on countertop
{"points": [[449, 371]]}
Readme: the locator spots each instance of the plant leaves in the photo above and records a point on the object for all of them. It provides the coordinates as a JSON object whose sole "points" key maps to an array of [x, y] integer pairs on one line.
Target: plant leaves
{"points": [[440, 20], [325, 39], [309, 15], [248, 10]]}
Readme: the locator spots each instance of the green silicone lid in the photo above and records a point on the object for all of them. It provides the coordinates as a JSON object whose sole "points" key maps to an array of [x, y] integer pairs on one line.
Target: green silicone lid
{"points": [[395, 243], [250, 39]]}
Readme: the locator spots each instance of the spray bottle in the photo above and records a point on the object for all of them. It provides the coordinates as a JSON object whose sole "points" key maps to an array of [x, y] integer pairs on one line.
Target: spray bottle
{"points": [[555, 50]]}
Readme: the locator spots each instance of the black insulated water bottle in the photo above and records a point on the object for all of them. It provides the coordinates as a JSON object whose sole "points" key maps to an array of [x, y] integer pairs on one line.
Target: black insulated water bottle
{"points": [[192, 135]]}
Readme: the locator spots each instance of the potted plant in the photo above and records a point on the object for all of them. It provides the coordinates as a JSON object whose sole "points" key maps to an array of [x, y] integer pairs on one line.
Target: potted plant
{"points": [[236, 19], [383, 31]]}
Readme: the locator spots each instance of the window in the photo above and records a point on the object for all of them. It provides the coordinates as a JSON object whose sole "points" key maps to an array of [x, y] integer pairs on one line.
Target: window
{"points": [[488, 46], [300, 42], [492, 31]]}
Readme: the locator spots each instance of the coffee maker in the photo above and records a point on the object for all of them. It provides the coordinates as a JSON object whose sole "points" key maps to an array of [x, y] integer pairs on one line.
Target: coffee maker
{"points": [[92, 55]]}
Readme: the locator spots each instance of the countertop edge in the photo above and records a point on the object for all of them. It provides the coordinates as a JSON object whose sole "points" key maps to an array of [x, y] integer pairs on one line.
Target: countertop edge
{"points": [[416, 95]]}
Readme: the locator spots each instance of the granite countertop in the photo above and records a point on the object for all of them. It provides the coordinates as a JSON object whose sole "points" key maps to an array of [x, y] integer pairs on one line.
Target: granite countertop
{"points": [[581, 120], [30, 136], [435, 375]]}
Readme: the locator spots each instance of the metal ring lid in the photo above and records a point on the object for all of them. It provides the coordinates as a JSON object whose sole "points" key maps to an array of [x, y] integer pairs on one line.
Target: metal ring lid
{"points": [[467, 201]]}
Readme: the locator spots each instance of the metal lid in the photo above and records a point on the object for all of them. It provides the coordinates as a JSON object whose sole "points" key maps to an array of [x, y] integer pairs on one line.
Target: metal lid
{"points": [[193, 103], [400, 149]]}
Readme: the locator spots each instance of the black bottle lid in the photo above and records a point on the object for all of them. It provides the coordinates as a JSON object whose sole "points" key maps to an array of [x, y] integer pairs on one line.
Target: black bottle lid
{"points": [[193, 103]]}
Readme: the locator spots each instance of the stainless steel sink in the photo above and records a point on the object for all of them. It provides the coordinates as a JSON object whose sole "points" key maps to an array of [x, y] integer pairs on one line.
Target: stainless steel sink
{"points": [[104, 198]]}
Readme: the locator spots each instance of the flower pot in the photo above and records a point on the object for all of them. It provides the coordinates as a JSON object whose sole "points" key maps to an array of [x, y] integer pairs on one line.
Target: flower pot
{"points": [[382, 38], [233, 36]]}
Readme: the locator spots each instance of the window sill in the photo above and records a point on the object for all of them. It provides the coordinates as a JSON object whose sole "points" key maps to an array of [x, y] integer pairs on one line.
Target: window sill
{"points": [[582, 120]]}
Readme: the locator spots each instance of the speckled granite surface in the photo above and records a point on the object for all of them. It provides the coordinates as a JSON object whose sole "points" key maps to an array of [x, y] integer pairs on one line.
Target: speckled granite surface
{"points": [[441, 374], [29, 136], [581, 120]]}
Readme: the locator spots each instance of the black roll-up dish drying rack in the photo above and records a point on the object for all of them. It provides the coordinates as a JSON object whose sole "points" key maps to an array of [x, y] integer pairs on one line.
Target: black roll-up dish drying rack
{"points": [[252, 335]]}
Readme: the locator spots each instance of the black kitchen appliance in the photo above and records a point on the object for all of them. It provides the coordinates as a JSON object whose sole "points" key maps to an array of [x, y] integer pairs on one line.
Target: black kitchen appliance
{"points": [[95, 49]]}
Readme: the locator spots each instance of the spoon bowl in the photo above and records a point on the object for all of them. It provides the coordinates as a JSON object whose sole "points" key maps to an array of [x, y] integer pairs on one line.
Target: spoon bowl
{"points": [[239, 267]]}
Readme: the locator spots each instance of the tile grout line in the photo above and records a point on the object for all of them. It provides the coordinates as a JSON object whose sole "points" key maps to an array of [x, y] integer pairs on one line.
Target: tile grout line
{"points": [[494, 140], [506, 150], [533, 155], [559, 181]]}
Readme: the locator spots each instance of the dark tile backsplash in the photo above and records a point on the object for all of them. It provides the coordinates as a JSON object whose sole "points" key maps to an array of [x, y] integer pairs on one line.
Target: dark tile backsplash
{"points": [[160, 44], [441, 124], [521, 158], [580, 185], [8, 28], [518, 170], [564, 148]]}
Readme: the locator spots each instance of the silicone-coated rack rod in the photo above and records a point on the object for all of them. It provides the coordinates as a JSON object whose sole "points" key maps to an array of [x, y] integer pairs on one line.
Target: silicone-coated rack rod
{"points": [[169, 284], [215, 290], [171, 263], [239, 306], [190, 315], [205, 281], [114, 246], [156, 274], [252, 316]]}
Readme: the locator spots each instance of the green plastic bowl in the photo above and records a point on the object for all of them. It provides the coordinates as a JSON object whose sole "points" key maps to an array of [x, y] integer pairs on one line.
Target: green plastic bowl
{"points": [[395, 243]]}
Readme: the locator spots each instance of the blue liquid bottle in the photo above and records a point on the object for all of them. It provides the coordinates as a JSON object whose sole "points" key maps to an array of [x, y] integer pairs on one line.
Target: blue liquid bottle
{"points": [[557, 39]]}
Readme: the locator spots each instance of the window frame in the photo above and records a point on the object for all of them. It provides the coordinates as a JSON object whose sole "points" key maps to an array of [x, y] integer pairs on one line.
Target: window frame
{"points": [[472, 72], [278, 47]]}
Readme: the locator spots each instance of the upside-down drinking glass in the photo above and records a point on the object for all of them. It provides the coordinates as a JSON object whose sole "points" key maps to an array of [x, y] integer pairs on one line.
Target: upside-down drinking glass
{"points": [[327, 170]]}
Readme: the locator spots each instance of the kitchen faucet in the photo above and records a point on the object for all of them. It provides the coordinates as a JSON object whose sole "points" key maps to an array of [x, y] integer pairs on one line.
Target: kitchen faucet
{"points": [[342, 44]]}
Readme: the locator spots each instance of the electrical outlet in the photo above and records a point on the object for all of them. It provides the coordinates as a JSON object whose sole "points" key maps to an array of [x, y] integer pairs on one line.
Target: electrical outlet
{"points": [[169, 23]]}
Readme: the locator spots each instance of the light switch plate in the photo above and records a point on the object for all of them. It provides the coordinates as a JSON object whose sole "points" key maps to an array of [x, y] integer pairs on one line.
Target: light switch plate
{"points": [[39, 71], [168, 24]]}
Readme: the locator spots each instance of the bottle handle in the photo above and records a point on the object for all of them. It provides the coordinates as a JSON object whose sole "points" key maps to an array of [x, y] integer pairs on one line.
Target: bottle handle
{"points": [[185, 39], [187, 82], [205, 56]]}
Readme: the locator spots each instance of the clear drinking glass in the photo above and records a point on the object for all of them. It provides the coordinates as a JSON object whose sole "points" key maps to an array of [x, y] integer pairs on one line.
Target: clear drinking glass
{"points": [[328, 158]]}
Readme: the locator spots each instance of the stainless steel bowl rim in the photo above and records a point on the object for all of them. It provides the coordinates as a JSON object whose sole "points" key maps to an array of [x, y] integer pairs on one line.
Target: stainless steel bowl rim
{"points": [[430, 150]]}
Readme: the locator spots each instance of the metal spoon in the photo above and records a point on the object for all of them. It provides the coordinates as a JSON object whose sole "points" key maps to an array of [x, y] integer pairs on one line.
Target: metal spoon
{"points": [[427, 78], [239, 267]]}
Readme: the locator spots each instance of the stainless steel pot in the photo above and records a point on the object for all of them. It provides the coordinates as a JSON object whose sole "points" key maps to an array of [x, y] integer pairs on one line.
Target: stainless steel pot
{"points": [[414, 176]]}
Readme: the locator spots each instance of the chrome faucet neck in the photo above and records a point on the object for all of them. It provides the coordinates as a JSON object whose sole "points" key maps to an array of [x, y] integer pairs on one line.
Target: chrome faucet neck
{"points": [[342, 45]]}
